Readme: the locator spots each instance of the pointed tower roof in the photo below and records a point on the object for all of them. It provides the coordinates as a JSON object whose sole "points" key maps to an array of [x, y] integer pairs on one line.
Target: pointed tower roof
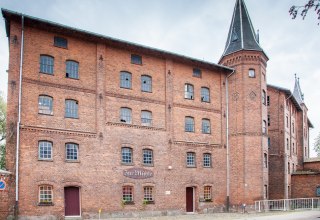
{"points": [[241, 33], [298, 95]]}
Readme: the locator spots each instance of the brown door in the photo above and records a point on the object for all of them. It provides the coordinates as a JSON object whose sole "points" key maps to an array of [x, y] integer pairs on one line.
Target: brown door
{"points": [[189, 199], [72, 201]]}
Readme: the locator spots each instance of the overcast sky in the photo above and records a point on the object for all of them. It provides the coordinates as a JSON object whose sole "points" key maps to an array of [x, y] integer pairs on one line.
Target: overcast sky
{"points": [[194, 28]]}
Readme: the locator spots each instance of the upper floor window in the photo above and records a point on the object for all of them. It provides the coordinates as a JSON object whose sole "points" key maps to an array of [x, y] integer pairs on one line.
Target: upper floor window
{"points": [[146, 118], [206, 160], [207, 195], [268, 100], [287, 143], [45, 150], [126, 115], [146, 83], [127, 193], [287, 121], [72, 151], [292, 127], [147, 157], [72, 69], [197, 72], [264, 127], [125, 80], [126, 154], [252, 73], [71, 110], [265, 160], [264, 98], [148, 193], [60, 42], [45, 194], [189, 124], [46, 64], [45, 105], [205, 94], [293, 149], [268, 120], [206, 126], [136, 59], [188, 91], [191, 159], [269, 142]]}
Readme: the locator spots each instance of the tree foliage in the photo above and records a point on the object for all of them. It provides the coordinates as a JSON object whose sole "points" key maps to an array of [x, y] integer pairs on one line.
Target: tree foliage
{"points": [[316, 145], [3, 112], [303, 10]]}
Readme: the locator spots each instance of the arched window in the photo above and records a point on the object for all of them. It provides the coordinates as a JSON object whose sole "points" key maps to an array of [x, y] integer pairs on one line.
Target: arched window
{"points": [[45, 194], [45, 105], [146, 118], [191, 159], [71, 108], [72, 69], [146, 83], [126, 155], [207, 193], [127, 193], [147, 157], [206, 160], [45, 150], [205, 94], [72, 151], [125, 80], [126, 115], [206, 128], [46, 64], [148, 193], [188, 91], [189, 124]]}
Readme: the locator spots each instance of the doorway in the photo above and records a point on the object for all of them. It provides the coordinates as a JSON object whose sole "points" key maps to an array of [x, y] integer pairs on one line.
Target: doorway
{"points": [[190, 199], [72, 201]]}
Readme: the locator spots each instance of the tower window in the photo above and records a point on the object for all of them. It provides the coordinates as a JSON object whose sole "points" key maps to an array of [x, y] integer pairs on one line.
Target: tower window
{"points": [[252, 73]]}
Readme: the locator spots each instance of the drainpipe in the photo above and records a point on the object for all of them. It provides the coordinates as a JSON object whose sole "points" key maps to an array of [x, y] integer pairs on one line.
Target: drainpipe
{"points": [[227, 141], [19, 112]]}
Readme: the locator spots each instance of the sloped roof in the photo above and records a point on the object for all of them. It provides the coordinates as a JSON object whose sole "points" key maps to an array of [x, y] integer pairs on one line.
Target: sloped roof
{"points": [[297, 91], [241, 33]]}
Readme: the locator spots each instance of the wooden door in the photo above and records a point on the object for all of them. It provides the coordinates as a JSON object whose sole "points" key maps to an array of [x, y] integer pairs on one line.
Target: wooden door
{"points": [[189, 199], [72, 201]]}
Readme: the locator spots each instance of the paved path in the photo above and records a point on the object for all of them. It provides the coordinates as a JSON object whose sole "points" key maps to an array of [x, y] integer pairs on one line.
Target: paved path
{"points": [[297, 215]]}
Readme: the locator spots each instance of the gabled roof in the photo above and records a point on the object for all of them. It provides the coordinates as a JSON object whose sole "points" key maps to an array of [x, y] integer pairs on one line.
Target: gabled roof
{"points": [[109, 41], [241, 33]]}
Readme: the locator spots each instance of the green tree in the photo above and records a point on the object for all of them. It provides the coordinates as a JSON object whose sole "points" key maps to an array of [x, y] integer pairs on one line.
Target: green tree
{"points": [[316, 145], [3, 112], [304, 9]]}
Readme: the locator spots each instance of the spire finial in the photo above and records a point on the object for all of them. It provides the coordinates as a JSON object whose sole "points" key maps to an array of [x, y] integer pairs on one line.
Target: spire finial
{"points": [[295, 76], [258, 37]]}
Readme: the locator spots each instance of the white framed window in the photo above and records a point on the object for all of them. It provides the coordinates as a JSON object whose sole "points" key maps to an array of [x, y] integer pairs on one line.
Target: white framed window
{"points": [[206, 128], [146, 118], [72, 151], [252, 73], [264, 97], [264, 127], [147, 157], [148, 193], [45, 194], [146, 83], [45, 105], [45, 150], [46, 64], [72, 69], [207, 160], [189, 124], [205, 94], [191, 159], [126, 115], [188, 91], [125, 80], [126, 155], [71, 108], [127, 193], [207, 193]]}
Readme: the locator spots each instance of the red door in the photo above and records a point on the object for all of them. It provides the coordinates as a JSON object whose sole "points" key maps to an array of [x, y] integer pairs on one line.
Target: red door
{"points": [[189, 199], [72, 201]]}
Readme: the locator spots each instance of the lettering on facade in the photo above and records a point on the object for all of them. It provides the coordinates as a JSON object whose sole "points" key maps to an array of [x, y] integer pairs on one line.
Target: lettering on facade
{"points": [[138, 173]]}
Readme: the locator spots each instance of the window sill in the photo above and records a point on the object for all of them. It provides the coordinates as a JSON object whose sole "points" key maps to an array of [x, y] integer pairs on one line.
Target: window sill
{"points": [[127, 164], [125, 88], [208, 167], [191, 166], [45, 160], [140, 64], [148, 202], [128, 203], [71, 117], [148, 165], [205, 200], [39, 113], [51, 74], [45, 204], [72, 78], [72, 161], [188, 98], [190, 131], [146, 91], [66, 48]]}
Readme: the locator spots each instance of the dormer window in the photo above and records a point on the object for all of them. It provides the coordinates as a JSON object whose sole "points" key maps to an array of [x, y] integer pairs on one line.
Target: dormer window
{"points": [[252, 73]]}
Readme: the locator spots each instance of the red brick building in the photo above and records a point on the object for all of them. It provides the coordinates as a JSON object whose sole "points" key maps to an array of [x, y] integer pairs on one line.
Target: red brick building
{"points": [[97, 123]]}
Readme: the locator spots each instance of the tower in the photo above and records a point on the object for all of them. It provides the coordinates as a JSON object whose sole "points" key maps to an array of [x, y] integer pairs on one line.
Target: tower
{"points": [[247, 111]]}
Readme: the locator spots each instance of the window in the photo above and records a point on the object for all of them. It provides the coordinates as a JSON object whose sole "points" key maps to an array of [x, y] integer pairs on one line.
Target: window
{"points": [[206, 126], [45, 150], [191, 159], [146, 83], [147, 157], [207, 193], [289, 168], [287, 144], [72, 69], [60, 42], [268, 120], [264, 97], [46, 64], [292, 127], [136, 59], [146, 118], [126, 154], [72, 151], [293, 150], [252, 73], [148, 193], [269, 142], [71, 110], [127, 193], [206, 160], [45, 105], [125, 115], [189, 124], [287, 121], [125, 80], [197, 72], [45, 194], [205, 94], [268, 100], [265, 191], [188, 91], [265, 160], [264, 127]]}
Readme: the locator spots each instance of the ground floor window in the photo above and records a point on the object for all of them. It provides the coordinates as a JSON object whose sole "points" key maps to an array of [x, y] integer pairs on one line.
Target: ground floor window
{"points": [[45, 194], [148, 193], [127, 193], [207, 193]]}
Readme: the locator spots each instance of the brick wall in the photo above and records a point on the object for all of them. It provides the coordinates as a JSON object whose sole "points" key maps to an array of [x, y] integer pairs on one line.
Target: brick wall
{"points": [[304, 185]]}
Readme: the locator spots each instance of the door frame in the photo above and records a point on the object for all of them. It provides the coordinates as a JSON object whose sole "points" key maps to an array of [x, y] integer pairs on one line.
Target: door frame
{"points": [[64, 197], [193, 199]]}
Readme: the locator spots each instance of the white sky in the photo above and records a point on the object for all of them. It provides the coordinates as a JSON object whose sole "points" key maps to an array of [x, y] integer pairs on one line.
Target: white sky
{"points": [[194, 28]]}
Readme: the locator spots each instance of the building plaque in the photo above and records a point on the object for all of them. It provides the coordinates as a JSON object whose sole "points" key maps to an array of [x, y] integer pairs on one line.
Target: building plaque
{"points": [[138, 173]]}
